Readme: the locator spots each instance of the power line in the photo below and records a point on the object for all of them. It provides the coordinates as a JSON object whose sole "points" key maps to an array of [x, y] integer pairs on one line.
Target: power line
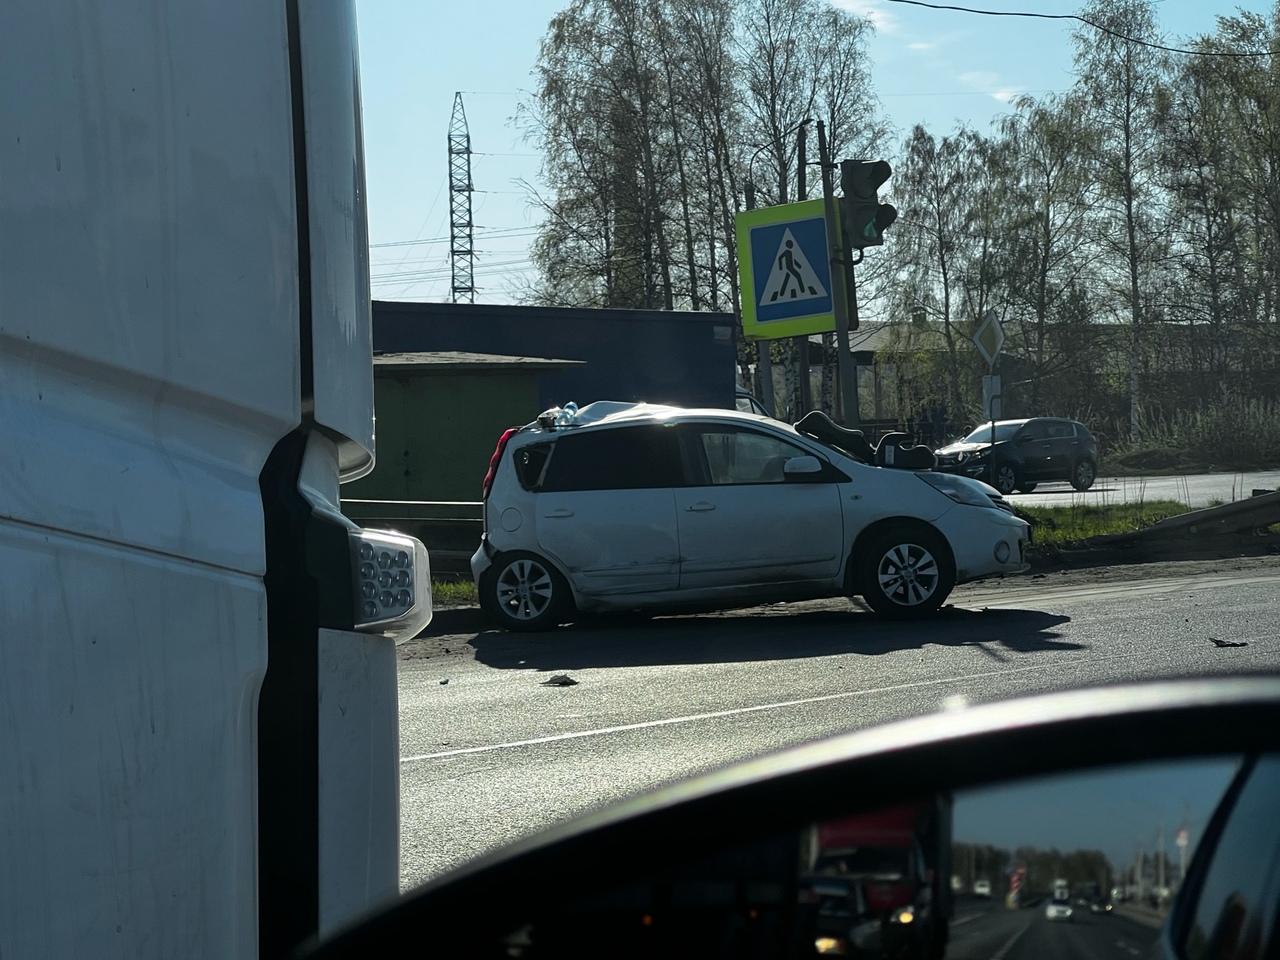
{"points": [[496, 232], [1090, 23]]}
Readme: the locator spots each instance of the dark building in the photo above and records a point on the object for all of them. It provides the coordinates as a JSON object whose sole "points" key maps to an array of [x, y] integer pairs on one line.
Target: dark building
{"points": [[682, 358]]}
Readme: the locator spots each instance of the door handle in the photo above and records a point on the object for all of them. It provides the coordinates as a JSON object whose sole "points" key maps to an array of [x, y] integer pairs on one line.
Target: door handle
{"points": [[559, 514], [700, 507]]}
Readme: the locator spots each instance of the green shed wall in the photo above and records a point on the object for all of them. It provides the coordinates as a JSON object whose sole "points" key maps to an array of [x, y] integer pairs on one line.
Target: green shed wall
{"points": [[436, 432]]}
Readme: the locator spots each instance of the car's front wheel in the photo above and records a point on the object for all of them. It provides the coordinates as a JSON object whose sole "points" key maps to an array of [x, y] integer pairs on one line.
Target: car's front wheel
{"points": [[907, 571], [1083, 474], [522, 591], [1004, 477]]}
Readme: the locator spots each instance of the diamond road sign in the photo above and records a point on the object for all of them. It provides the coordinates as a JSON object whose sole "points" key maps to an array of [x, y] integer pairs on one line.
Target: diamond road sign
{"points": [[785, 268], [989, 338]]}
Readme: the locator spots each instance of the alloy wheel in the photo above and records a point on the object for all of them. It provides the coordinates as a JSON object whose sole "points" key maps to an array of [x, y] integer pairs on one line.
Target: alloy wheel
{"points": [[908, 574], [525, 590]]}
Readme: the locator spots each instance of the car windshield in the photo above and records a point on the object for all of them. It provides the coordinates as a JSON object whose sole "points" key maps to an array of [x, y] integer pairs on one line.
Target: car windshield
{"points": [[1004, 430], [1046, 259]]}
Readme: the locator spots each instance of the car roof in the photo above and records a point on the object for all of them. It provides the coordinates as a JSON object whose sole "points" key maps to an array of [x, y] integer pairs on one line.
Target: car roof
{"points": [[607, 413]]}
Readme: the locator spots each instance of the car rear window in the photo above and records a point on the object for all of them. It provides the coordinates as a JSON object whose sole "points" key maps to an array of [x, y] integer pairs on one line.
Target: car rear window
{"points": [[530, 462], [621, 458]]}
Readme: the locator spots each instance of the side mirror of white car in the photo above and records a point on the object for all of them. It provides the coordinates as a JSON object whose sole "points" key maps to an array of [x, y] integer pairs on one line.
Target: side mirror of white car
{"points": [[797, 467]]}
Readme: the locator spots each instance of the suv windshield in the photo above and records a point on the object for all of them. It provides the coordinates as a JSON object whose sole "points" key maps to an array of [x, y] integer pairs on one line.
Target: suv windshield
{"points": [[1004, 430]]}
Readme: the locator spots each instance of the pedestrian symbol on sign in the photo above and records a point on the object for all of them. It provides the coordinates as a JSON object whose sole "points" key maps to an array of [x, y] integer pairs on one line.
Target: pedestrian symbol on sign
{"points": [[791, 277]]}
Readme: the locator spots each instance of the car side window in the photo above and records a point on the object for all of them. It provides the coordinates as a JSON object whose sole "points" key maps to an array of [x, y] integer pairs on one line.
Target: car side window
{"points": [[1035, 430], [620, 458], [1234, 916], [1058, 429], [744, 456]]}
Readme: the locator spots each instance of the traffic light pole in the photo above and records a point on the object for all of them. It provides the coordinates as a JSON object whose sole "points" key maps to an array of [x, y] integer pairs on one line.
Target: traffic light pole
{"points": [[844, 307]]}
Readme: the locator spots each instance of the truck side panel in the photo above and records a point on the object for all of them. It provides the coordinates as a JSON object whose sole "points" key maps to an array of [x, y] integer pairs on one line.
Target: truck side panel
{"points": [[149, 363]]}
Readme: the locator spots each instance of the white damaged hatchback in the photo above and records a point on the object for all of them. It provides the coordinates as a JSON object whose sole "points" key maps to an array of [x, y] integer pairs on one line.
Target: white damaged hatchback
{"points": [[630, 506]]}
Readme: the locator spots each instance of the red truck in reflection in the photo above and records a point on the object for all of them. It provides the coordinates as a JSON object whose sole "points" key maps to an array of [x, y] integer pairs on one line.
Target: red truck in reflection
{"points": [[893, 870]]}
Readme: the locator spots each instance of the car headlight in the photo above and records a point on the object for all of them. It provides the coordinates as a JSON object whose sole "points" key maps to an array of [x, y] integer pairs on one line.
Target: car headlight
{"points": [[959, 489], [905, 915]]}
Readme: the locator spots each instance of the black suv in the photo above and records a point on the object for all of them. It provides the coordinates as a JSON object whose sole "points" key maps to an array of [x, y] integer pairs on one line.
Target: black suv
{"points": [[1025, 453]]}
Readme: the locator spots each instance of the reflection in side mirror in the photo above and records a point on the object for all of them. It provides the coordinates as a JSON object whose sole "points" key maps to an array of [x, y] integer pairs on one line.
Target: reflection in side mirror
{"points": [[801, 467], [995, 872]]}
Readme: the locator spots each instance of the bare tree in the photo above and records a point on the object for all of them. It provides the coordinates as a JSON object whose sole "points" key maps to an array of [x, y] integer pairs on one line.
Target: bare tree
{"points": [[1118, 80]]}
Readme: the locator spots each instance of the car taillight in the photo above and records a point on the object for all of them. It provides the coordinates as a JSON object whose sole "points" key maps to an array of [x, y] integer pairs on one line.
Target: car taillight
{"points": [[495, 460]]}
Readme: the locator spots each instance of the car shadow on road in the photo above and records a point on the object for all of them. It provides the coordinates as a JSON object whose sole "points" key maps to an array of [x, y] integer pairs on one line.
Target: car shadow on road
{"points": [[1003, 635]]}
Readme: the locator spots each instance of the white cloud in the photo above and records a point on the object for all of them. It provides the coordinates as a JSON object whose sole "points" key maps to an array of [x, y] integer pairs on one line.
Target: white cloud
{"points": [[873, 10], [989, 82], [980, 79], [920, 45]]}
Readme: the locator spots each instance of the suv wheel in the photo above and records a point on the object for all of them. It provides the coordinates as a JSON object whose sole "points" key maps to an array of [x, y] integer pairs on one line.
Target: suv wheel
{"points": [[907, 572], [1004, 477], [1083, 474], [522, 591]]}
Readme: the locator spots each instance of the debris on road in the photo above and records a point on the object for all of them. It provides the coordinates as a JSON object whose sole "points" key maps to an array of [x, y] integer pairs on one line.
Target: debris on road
{"points": [[1228, 643], [444, 681], [560, 680]]}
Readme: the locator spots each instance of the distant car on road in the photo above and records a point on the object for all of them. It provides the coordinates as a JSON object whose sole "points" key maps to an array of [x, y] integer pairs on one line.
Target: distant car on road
{"points": [[624, 506], [1057, 909], [1024, 454], [982, 888]]}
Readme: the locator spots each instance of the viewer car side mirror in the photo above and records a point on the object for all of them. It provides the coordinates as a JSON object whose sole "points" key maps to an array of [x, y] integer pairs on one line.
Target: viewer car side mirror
{"points": [[801, 468], [945, 835]]}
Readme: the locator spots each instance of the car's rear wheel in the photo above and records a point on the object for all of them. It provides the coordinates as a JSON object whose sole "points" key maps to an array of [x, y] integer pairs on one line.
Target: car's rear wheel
{"points": [[1026, 487], [907, 571], [522, 591], [1083, 474], [1004, 477]]}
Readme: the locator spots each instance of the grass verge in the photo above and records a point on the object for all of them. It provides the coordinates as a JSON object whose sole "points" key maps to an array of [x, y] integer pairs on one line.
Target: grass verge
{"points": [[446, 592], [1066, 528]]}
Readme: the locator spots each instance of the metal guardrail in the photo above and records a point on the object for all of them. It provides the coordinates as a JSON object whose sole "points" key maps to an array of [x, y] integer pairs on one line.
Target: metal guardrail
{"points": [[1242, 517], [450, 529]]}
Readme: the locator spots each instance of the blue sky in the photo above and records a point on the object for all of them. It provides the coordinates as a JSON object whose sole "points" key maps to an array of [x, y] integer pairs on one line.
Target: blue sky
{"points": [[939, 68], [1115, 811]]}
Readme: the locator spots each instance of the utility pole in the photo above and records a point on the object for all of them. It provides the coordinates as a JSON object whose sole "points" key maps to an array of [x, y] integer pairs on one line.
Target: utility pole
{"points": [[840, 304], [802, 342], [462, 252], [764, 362]]}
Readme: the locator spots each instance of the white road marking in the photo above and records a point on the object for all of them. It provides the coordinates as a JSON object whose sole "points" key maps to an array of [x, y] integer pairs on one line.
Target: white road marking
{"points": [[1016, 596], [1003, 951], [1053, 664]]}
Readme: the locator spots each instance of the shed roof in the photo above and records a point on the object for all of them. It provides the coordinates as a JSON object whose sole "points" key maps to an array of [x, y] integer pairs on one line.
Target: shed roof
{"points": [[451, 361]]}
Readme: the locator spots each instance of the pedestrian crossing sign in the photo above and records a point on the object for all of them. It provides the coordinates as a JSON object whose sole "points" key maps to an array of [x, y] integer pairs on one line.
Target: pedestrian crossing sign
{"points": [[784, 264]]}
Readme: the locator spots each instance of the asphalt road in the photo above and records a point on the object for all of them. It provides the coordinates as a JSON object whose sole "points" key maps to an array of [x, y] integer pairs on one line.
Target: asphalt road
{"points": [[491, 754], [992, 932], [1198, 490]]}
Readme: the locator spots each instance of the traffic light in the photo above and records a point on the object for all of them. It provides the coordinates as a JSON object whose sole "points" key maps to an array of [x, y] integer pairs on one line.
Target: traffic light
{"points": [[864, 218]]}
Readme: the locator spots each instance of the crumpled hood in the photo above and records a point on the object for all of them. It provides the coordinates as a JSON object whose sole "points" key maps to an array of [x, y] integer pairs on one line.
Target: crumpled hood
{"points": [[968, 449]]}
